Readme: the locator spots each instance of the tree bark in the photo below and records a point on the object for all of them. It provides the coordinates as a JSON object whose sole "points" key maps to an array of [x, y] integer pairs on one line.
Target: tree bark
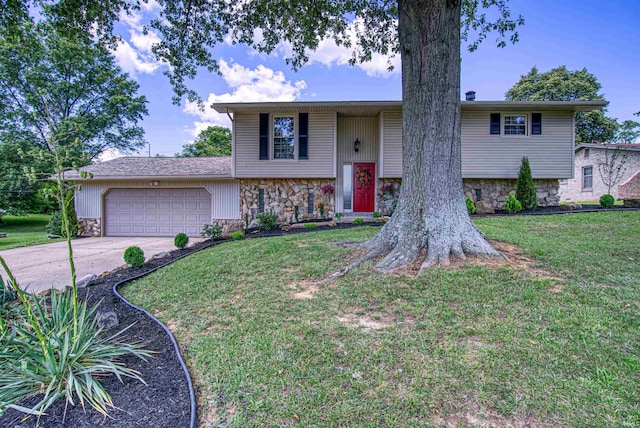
{"points": [[431, 212]]}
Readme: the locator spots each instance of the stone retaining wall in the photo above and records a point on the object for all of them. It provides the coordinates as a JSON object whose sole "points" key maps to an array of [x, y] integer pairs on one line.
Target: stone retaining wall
{"points": [[281, 196]]}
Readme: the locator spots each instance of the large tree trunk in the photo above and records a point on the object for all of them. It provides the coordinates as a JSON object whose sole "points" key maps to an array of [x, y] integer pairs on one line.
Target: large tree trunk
{"points": [[431, 212]]}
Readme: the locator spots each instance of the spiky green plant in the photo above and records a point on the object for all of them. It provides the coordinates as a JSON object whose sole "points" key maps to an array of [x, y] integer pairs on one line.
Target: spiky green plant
{"points": [[45, 357]]}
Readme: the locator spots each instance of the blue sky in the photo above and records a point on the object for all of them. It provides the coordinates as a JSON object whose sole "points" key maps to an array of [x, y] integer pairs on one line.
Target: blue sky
{"points": [[604, 37]]}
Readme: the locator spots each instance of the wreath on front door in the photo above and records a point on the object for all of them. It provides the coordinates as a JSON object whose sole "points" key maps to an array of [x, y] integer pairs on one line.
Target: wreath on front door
{"points": [[364, 176]]}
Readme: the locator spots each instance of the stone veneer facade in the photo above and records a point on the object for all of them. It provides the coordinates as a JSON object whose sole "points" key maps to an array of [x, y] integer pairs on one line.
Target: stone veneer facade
{"points": [[494, 191], [281, 196], [89, 227]]}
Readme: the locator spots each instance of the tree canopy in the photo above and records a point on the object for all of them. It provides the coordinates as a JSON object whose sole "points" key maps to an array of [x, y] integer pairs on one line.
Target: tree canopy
{"points": [[431, 213], [213, 141], [628, 132], [59, 90], [562, 84]]}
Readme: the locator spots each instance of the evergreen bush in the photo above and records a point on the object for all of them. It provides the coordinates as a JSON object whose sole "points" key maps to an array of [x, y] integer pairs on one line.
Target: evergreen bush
{"points": [[211, 231], [526, 189], [512, 205], [181, 240], [471, 207], [267, 221], [607, 201], [134, 256]]}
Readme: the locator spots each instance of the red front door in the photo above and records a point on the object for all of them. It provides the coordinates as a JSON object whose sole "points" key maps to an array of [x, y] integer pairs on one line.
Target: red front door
{"points": [[364, 187]]}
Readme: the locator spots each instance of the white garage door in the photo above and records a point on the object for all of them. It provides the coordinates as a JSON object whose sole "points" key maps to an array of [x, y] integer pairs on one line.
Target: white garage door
{"points": [[156, 212]]}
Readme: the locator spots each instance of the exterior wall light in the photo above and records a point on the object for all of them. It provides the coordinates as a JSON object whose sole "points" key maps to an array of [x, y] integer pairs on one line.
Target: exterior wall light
{"points": [[356, 145]]}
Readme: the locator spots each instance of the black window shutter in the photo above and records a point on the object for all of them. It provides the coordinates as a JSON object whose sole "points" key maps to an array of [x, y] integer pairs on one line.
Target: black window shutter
{"points": [[536, 123], [494, 128], [303, 136], [264, 136]]}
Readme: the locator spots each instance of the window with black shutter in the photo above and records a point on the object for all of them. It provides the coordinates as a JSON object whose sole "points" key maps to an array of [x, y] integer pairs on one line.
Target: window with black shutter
{"points": [[303, 136], [536, 123], [264, 136], [494, 127]]}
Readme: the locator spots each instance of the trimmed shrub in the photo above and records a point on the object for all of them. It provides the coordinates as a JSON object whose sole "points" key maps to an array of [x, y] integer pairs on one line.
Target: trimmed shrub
{"points": [[471, 207], [357, 220], [512, 205], [181, 240], [377, 214], [211, 231], [134, 256], [238, 234], [267, 221], [310, 225], [321, 209], [607, 201], [526, 189]]}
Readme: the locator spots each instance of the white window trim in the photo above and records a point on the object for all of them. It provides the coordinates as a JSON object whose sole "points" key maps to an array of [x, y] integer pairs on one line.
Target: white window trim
{"points": [[584, 189], [527, 125], [272, 139]]}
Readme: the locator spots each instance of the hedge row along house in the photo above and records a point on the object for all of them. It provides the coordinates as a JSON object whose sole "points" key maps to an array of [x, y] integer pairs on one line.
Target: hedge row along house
{"points": [[307, 157]]}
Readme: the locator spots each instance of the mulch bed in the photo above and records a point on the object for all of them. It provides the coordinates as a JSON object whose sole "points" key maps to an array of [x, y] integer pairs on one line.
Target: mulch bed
{"points": [[163, 402]]}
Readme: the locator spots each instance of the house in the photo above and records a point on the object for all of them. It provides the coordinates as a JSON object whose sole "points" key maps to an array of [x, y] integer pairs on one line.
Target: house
{"points": [[306, 157], [591, 170]]}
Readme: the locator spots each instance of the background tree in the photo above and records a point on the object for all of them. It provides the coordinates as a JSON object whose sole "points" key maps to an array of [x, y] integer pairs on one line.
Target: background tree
{"points": [[18, 195], [628, 132], [612, 166], [561, 84], [214, 141], [92, 105]]}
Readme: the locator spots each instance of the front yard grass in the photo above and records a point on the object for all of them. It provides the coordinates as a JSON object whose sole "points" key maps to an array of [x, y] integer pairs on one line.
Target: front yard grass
{"points": [[23, 231], [556, 345]]}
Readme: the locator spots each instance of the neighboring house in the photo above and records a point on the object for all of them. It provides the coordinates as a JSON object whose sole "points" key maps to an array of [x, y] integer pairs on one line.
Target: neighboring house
{"points": [[290, 154], [587, 183]]}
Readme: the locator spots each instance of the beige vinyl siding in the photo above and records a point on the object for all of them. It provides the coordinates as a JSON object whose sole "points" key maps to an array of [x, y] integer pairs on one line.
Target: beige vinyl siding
{"points": [[499, 156], [321, 149], [365, 129], [496, 156], [225, 195]]}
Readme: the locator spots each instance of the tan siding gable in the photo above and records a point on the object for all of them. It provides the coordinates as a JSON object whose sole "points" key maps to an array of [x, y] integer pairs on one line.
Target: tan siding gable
{"points": [[321, 150], [499, 156], [496, 156]]}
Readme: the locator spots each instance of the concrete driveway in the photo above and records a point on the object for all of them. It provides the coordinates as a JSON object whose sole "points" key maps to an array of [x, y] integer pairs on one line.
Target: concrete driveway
{"points": [[45, 266]]}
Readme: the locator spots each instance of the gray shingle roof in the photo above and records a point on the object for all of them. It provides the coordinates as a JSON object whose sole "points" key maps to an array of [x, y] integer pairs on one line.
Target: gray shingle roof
{"points": [[145, 167]]}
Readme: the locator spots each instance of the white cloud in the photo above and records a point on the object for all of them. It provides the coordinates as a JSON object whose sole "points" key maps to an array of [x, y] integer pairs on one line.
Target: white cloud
{"points": [[109, 154], [135, 56], [329, 54], [131, 60], [260, 84]]}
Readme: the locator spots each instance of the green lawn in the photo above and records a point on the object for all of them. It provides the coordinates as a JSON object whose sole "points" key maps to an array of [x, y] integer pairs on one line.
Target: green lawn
{"points": [[24, 231], [555, 345]]}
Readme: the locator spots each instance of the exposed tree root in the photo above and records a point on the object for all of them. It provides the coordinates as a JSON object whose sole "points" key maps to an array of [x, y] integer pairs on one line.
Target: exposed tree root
{"points": [[343, 271], [402, 246]]}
